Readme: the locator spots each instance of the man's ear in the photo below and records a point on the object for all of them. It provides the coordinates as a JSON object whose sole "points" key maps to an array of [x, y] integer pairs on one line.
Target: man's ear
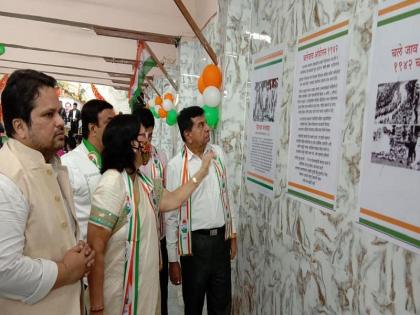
{"points": [[20, 128], [187, 136], [91, 128]]}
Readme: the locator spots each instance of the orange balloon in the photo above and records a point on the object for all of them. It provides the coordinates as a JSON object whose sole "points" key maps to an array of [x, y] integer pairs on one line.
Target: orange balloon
{"points": [[158, 100], [168, 96], [212, 76], [200, 84], [162, 113]]}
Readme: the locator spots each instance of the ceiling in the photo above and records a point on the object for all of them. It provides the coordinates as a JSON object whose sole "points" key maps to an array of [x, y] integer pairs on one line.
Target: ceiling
{"points": [[93, 41]]}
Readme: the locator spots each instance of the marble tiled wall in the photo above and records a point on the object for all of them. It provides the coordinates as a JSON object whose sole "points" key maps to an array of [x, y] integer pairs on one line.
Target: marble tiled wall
{"points": [[163, 134], [294, 259]]}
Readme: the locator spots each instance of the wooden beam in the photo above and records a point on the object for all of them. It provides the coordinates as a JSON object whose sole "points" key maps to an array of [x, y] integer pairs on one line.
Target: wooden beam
{"points": [[153, 86], [100, 29], [111, 74], [76, 75], [108, 59], [136, 35], [196, 30], [161, 67]]}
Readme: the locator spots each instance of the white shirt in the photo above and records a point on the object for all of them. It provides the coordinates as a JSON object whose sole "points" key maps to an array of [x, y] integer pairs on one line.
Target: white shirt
{"points": [[84, 176], [206, 205], [23, 278], [147, 170]]}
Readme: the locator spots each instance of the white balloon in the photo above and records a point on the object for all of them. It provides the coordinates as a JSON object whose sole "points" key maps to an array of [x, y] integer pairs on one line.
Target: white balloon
{"points": [[200, 99], [212, 96], [167, 105]]}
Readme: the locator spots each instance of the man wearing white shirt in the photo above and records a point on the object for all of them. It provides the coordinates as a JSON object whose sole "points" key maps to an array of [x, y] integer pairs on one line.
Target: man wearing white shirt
{"points": [[155, 170], [203, 231], [41, 263], [84, 162]]}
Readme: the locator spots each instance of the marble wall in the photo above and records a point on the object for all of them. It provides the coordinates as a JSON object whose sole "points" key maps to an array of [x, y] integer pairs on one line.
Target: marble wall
{"points": [[295, 259]]}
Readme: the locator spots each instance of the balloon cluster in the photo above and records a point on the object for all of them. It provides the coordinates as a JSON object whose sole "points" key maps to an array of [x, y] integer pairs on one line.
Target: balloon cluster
{"points": [[164, 108], [209, 85]]}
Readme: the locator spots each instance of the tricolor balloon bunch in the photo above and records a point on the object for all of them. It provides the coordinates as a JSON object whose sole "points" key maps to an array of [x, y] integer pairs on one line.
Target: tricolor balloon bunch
{"points": [[210, 97], [164, 108]]}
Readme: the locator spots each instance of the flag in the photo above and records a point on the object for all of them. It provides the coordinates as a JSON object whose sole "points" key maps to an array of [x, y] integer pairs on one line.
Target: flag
{"points": [[3, 82], [95, 91], [144, 63]]}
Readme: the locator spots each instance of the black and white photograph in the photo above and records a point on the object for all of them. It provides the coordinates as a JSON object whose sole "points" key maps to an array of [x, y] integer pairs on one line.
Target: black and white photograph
{"points": [[398, 103], [396, 145], [265, 100]]}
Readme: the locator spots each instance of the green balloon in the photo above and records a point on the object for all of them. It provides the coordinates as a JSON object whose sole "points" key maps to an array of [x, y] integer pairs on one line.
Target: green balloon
{"points": [[212, 116], [2, 49], [171, 117]]}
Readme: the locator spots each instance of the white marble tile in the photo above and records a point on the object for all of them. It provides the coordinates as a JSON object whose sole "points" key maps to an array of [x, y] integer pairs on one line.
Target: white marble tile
{"points": [[294, 259]]}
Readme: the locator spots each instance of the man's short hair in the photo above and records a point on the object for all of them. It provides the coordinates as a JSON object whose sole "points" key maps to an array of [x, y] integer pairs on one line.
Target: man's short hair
{"points": [[185, 116], [145, 117], [19, 95], [90, 113]]}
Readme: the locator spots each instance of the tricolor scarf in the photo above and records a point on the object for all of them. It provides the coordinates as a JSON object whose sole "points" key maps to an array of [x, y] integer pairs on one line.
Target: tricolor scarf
{"points": [[93, 153], [132, 261], [185, 211], [158, 174]]}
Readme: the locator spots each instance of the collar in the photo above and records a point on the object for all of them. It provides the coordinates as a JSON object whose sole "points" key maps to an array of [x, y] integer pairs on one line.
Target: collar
{"points": [[97, 157], [191, 155], [32, 158]]}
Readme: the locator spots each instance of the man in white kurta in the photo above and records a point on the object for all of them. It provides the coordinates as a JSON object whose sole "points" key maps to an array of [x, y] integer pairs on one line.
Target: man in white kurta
{"points": [[41, 263], [84, 162]]}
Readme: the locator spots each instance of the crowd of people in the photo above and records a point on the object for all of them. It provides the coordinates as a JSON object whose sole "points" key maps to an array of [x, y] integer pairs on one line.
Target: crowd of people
{"points": [[100, 230]]}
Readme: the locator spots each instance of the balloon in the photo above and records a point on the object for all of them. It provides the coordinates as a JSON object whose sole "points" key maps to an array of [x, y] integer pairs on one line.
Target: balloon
{"points": [[162, 113], [158, 100], [200, 99], [2, 49], [211, 114], [167, 105], [212, 76], [212, 96], [171, 118], [200, 85], [168, 96]]}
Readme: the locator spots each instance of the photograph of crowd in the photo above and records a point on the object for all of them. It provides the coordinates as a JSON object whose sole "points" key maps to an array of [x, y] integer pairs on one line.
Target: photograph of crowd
{"points": [[265, 100], [398, 103], [398, 125], [396, 145]]}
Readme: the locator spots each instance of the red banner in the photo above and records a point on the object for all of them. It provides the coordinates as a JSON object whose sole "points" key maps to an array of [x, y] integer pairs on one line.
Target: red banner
{"points": [[3, 82]]}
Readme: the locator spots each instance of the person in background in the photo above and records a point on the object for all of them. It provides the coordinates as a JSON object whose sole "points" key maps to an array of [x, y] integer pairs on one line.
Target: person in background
{"points": [[203, 232], [85, 161], [74, 120], [155, 170], [41, 262]]}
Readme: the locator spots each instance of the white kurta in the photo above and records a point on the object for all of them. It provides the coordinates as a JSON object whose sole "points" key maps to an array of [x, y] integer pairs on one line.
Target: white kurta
{"points": [[110, 195]]}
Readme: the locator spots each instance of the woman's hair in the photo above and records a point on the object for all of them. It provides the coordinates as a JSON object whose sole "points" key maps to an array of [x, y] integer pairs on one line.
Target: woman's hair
{"points": [[118, 153]]}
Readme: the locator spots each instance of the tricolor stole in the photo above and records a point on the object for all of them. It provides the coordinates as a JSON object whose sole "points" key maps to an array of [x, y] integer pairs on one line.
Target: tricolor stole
{"points": [[185, 211], [132, 261], [158, 177]]}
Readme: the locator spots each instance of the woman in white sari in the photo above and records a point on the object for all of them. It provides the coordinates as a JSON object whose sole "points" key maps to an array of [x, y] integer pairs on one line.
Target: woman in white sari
{"points": [[122, 226]]}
